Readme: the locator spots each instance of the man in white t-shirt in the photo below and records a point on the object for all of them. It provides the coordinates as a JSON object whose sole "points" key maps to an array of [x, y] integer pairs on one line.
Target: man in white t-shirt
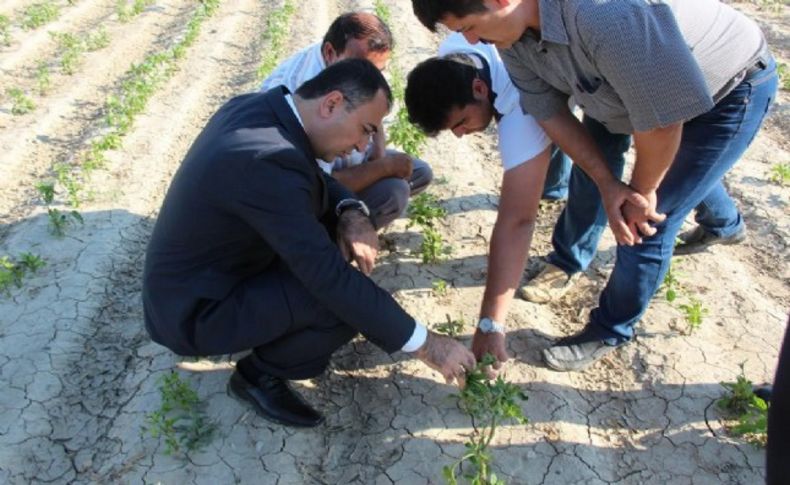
{"points": [[383, 179]]}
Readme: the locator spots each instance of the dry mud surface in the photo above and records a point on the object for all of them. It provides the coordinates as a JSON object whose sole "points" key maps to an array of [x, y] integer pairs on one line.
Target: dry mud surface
{"points": [[78, 373]]}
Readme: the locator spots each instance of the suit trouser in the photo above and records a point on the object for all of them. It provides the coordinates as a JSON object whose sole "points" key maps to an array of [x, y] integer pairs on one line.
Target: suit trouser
{"points": [[292, 335], [778, 450], [387, 198]]}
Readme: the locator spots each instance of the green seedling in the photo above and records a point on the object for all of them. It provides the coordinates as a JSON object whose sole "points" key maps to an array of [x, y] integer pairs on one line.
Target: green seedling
{"points": [[423, 210], [180, 420], [451, 327], [439, 288], [489, 404], [382, 11], [432, 248], [275, 35], [695, 312], [671, 283], [70, 49], [404, 134], [127, 12], [12, 271], [97, 40], [5, 35], [20, 103], [67, 176], [43, 81], [739, 402], [47, 191], [780, 174], [38, 14], [59, 220]]}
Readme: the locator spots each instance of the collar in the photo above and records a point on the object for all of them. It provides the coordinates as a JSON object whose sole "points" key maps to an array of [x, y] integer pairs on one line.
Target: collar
{"points": [[290, 100], [552, 25], [283, 107]]}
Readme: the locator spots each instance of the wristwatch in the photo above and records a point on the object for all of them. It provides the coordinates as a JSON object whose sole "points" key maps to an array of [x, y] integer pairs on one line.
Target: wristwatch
{"points": [[487, 325], [347, 204]]}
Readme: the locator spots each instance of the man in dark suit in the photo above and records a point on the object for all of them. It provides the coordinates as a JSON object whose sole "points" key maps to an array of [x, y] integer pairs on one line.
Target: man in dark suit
{"points": [[242, 257]]}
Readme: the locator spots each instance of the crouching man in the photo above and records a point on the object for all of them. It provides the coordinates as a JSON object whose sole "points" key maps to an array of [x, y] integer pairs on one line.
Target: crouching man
{"points": [[241, 256]]}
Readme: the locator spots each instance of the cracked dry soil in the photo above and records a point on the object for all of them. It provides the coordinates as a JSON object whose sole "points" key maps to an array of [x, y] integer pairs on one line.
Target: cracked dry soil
{"points": [[78, 373]]}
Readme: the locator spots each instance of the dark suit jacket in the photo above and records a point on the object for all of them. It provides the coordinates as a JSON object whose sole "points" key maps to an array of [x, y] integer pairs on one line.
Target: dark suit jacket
{"points": [[248, 193]]}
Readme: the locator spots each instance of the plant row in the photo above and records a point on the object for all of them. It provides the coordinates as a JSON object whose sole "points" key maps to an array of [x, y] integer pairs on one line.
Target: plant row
{"points": [[275, 35]]}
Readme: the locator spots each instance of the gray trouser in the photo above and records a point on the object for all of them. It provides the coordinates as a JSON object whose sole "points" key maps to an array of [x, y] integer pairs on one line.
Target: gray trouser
{"points": [[387, 198]]}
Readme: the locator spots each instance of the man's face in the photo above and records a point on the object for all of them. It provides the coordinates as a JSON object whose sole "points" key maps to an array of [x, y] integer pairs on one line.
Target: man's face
{"points": [[357, 49], [498, 25], [343, 131], [475, 116]]}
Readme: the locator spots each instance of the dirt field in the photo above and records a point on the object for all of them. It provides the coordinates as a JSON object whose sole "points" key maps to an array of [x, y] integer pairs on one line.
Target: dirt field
{"points": [[78, 372]]}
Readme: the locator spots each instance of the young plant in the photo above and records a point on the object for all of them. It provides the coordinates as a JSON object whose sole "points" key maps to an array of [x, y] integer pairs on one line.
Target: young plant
{"points": [[97, 40], [440, 288], [423, 210], [489, 404], [5, 35], [180, 420], [127, 12], [404, 134], [671, 283], [432, 248], [451, 327], [13, 271], [70, 49], [780, 174], [43, 81], [38, 14], [694, 311], [275, 34], [59, 220], [751, 411], [20, 103], [382, 11]]}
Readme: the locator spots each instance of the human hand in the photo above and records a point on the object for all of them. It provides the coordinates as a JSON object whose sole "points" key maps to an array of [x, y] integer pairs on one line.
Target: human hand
{"points": [[639, 218], [399, 165], [357, 239], [614, 195], [490, 343], [447, 356]]}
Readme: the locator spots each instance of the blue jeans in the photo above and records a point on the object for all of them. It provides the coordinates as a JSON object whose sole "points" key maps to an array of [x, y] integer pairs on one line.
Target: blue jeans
{"points": [[710, 145], [556, 185]]}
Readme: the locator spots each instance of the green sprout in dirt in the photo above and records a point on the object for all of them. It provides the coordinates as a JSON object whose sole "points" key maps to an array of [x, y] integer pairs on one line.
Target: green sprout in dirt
{"points": [[12, 271], [489, 404], [695, 312], [180, 420], [751, 411], [433, 248], [5, 35], [780, 174], [70, 49], [439, 287], [423, 210], [20, 103], [382, 11], [97, 40], [451, 327], [43, 81], [404, 134], [38, 14], [275, 35], [671, 283], [59, 220], [127, 12]]}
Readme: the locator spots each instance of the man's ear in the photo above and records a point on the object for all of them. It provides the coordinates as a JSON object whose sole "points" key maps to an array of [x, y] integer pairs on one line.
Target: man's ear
{"points": [[331, 102], [329, 53], [479, 89]]}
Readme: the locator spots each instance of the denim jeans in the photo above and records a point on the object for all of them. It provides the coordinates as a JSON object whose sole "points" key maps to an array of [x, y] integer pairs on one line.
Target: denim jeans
{"points": [[710, 145], [556, 185]]}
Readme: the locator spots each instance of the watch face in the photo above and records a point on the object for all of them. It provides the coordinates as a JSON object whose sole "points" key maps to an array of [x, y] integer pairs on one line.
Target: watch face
{"points": [[486, 326]]}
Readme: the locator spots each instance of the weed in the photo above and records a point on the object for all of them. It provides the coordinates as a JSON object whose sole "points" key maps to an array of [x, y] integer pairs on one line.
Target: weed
{"points": [[741, 403], [489, 404], [127, 12], [423, 209], [47, 191], [21, 104], [440, 288], [432, 248], [275, 34], [70, 49], [671, 283], [694, 311], [43, 81], [405, 135], [382, 11], [180, 420], [5, 35], [59, 220], [38, 14], [13, 271], [97, 40], [451, 327], [780, 174]]}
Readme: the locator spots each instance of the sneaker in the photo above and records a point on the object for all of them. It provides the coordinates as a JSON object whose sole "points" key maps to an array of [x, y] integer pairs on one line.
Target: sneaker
{"points": [[576, 352], [698, 239], [549, 285]]}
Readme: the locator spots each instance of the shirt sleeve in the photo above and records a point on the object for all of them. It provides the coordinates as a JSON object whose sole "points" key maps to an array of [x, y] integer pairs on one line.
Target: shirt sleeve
{"points": [[537, 97], [641, 53], [278, 203]]}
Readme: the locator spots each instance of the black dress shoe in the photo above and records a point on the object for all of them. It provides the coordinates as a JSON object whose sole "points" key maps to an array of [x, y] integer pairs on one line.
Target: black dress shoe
{"points": [[698, 239], [273, 398]]}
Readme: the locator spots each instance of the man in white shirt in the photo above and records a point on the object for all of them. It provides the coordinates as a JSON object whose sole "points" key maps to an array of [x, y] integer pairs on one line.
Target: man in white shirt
{"points": [[383, 179]]}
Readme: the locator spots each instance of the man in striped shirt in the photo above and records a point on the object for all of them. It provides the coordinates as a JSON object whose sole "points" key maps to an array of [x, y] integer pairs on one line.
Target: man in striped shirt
{"points": [[384, 179]]}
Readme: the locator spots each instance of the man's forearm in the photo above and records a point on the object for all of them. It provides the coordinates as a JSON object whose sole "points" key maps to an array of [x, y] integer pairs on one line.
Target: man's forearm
{"points": [[655, 152], [359, 177]]}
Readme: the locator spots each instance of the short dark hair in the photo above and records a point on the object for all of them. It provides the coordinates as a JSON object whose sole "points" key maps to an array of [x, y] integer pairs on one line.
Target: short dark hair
{"points": [[357, 79], [360, 26], [430, 12], [436, 86]]}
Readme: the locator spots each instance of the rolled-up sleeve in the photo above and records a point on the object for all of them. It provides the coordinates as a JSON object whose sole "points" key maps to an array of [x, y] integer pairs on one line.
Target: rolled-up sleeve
{"points": [[537, 97], [639, 50]]}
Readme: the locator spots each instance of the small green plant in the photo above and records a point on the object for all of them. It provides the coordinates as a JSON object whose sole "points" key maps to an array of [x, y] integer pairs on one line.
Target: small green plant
{"points": [[671, 283], [47, 191], [751, 412], [423, 210], [275, 34], [489, 404], [780, 174], [404, 134], [12, 271], [59, 220], [38, 14], [97, 40], [694, 312], [127, 12], [439, 288], [20, 103], [433, 248], [180, 420], [5, 35], [70, 49], [382, 11], [43, 81], [451, 327]]}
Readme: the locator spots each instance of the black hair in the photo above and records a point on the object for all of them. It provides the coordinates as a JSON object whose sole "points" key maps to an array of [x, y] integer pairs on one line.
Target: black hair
{"points": [[357, 79], [360, 26], [430, 12], [436, 86]]}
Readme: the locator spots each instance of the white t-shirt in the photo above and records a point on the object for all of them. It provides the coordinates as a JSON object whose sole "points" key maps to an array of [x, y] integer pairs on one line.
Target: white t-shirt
{"points": [[520, 136]]}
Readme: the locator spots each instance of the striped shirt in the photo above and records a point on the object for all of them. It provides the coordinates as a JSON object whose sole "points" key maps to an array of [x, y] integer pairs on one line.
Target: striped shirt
{"points": [[633, 64]]}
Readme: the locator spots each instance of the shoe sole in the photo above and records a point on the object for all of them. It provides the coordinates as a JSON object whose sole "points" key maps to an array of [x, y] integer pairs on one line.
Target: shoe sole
{"points": [[241, 395]]}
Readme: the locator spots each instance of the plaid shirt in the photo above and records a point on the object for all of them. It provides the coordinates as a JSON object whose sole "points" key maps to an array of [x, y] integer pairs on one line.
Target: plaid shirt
{"points": [[632, 64]]}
